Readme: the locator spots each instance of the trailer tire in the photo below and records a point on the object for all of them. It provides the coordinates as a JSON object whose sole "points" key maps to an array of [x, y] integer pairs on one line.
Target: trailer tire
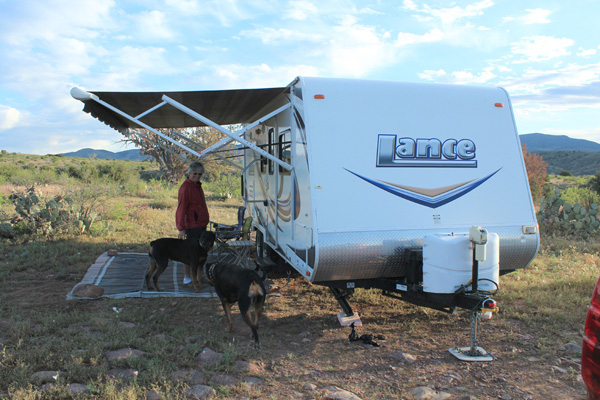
{"points": [[261, 248]]}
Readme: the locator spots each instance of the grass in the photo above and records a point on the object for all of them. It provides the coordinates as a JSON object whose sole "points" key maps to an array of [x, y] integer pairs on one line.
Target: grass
{"points": [[541, 308]]}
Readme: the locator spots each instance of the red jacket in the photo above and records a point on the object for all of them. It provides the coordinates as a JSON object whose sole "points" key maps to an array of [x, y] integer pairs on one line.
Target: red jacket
{"points": [[192, 211]]}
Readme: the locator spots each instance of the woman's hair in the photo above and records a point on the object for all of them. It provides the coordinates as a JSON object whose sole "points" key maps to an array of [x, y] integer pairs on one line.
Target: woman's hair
{"points": [[196, 166]]}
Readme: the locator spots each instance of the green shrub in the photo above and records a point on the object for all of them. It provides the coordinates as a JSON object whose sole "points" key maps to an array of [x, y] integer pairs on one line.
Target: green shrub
{"points": [[580, 195], [116, 212], [117, 172], [162, 199], [85, 172], [227, 186]]}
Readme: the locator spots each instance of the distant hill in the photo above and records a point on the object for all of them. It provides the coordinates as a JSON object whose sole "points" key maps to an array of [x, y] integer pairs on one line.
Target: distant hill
{"points": [[131, 155], [562, 153], [576, 162], [537, 142]]}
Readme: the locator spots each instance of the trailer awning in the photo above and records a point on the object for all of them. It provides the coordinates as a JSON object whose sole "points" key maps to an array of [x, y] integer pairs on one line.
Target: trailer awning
{"points": [[224, 107]]}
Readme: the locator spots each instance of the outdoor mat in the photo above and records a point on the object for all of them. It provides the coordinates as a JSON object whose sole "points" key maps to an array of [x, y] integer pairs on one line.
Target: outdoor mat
{"points": [[123, 275]]}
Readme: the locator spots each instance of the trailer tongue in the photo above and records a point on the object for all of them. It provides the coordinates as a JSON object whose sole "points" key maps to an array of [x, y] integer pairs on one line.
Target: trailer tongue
{"points": [[419, 190]]}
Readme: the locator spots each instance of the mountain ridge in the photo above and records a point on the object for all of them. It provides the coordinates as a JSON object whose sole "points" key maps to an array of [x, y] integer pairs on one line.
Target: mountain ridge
{"points": [[536, 142], [131, 155]]}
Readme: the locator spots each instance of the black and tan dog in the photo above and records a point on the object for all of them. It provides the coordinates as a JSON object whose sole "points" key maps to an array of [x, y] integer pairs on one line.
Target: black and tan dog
{"points": [[192, 252], [235, 284]]}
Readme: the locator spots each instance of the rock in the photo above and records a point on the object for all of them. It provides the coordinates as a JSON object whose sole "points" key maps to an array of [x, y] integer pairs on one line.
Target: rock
{"points": [[252, 381], [112, 253], [123, 354], [335, 393], [46, 387], [76, 389], [126, 325], [125, 374], [223, 380], [558, 370], [451, 377], [423, 392], [153, 395], [88, 290], [245, 366], [404, 357], [190, 376], [571, 348], [200, 392], [42, 377], [310, 387], [207, 356]]}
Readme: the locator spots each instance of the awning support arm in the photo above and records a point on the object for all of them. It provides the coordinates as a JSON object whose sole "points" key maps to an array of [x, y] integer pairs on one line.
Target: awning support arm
{"points": [[227, 132], [181, 156], [245, 129]]}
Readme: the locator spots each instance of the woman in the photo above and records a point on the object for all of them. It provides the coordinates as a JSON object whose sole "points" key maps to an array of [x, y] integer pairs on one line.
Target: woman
{"points": [[191, 216]]}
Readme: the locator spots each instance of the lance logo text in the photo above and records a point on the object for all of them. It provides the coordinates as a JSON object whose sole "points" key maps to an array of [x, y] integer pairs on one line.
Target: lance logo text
{"points": [[408, 152]]}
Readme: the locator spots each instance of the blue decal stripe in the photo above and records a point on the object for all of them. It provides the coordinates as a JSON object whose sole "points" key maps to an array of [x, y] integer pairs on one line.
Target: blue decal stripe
{"points": [[432, 202]]}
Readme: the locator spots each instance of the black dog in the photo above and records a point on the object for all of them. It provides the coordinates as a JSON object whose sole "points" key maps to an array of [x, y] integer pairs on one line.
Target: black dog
{"points": [[192, 252], [235, 284]]}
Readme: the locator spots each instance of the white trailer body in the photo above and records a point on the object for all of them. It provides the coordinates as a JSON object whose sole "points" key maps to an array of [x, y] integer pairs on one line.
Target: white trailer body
{"points": [[346, 180], [378, 166]]}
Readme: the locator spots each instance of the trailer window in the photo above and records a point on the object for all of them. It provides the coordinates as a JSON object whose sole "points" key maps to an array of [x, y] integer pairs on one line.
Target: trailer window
{"points": [[284, 147]]}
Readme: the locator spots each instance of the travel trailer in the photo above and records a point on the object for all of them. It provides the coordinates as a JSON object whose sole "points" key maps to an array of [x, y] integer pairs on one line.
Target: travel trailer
{"points": [[419, 190]]}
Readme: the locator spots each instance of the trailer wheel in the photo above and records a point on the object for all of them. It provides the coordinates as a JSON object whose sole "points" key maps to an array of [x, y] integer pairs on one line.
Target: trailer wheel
{"points": [[261, 249]]}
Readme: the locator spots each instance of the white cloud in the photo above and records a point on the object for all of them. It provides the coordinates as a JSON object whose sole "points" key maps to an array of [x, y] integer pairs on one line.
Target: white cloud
{"points": [[536, 16], [459, 77], [9, 117], [586, 52], [535, 80], [151, 26], [541, 48], [142, 59], [49, 20], [184, 6], [300, 10], [256, 76], [370, 11], [270, 36], [405, 38], [448, 15], [356, 50]]}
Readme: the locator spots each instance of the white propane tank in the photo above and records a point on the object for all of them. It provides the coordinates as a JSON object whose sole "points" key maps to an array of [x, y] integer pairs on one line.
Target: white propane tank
{"points": [[448, 263]]}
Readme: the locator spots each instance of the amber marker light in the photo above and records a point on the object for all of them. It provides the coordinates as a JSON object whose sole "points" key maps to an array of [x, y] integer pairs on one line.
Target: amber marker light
{"points": [[499, 104], [319, 96]]}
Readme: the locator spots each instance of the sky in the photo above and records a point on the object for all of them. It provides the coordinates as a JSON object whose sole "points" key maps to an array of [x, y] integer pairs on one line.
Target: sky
{"points": [[546, 54]]}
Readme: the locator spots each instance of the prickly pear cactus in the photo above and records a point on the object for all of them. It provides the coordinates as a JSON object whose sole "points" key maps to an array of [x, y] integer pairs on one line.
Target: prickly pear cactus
{"points": [[557, 217], [37, 215]]}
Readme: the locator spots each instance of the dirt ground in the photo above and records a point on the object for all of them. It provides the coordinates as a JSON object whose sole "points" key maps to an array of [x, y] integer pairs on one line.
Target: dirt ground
{"points": [[303, 344]]}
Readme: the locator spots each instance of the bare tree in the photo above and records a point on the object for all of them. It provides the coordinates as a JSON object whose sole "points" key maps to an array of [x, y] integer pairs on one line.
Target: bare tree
{"points": [[173, 160]]}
